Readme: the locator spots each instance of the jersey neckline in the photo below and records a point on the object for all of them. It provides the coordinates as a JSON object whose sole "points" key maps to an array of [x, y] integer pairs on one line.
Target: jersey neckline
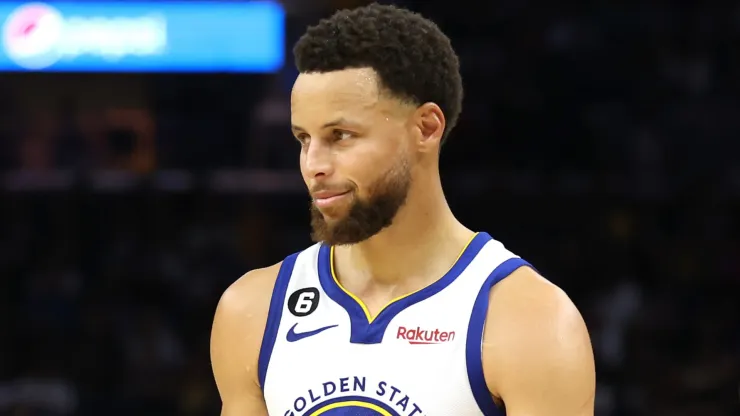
{"points": [[366, 329]]}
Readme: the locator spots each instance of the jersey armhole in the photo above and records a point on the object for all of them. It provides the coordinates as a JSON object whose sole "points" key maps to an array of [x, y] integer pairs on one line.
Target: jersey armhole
{"points": [[474, 341], [274, 315]]}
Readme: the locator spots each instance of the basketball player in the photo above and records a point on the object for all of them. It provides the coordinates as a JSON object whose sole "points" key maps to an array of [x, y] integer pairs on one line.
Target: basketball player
{"points": [[399, 309]]}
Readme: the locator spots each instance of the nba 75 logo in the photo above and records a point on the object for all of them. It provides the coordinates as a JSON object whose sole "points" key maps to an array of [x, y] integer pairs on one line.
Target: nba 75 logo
{"points": [[31, 35]]}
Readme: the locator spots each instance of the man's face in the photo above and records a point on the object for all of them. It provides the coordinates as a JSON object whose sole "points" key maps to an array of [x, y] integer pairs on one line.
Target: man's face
{"points": [[354, 153]]}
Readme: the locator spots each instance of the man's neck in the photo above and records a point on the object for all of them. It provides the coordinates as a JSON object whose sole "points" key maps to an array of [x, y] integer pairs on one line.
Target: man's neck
{"points": [[422, 244]]}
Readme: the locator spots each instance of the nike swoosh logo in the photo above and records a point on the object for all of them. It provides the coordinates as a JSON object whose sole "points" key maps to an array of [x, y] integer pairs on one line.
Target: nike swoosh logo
{"points": [[297, 336]]}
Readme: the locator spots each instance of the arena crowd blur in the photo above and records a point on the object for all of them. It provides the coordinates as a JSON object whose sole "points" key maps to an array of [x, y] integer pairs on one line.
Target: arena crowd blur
{"points": [[598, 140]]}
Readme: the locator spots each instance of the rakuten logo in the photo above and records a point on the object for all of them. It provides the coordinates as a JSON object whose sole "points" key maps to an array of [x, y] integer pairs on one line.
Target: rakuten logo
{"points": [[424, 336]]}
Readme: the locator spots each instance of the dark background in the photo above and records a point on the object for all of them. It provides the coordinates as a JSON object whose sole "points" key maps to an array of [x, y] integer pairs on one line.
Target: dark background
{"points": [[600, 142]]}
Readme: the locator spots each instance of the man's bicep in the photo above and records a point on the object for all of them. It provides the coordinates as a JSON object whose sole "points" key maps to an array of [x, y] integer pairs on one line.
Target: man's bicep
{"points": [[240, 394], [540, 360], [235, 342], [563, 386], [240, 406]]}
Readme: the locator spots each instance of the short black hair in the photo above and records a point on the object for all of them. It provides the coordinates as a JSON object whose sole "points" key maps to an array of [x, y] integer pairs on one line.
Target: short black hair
{"points": [[412, 57]]}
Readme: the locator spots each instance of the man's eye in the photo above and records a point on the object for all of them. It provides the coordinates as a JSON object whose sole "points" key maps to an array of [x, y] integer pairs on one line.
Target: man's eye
{"points": [[342, 135], [302, 139]]}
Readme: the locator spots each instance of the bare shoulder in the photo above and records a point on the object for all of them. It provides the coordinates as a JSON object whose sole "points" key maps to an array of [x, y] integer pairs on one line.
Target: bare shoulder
{"points": [[537, 355], [248, 299], [236, 338], [241, 314]]}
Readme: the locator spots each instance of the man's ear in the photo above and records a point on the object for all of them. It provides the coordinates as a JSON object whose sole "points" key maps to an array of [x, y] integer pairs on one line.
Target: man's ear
{"points": [[430, 120]]}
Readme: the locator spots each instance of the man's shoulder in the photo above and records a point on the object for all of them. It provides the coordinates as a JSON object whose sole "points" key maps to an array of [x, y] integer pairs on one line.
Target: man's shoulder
{"points": [[531, 324], [236, 336], [238, 327], [532, 307], [250, 294], [527, 292]]}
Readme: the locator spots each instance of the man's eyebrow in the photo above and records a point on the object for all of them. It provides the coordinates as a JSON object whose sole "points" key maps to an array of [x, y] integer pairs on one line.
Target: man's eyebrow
{"points": [[336, 122]]}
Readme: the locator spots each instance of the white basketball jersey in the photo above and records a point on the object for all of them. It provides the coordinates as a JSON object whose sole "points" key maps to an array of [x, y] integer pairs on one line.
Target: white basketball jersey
{"points": [[322, 353]]}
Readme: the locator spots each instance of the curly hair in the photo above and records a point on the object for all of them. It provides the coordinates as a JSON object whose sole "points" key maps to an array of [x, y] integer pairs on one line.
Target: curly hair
{"points": [[414, 60]]}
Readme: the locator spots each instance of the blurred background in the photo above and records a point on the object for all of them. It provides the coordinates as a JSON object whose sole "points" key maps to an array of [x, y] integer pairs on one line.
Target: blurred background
{"points": [[147, 163]]}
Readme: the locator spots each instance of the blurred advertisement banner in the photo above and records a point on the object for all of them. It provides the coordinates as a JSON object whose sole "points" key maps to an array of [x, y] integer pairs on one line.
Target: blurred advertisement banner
{"points": [[142, 36]]}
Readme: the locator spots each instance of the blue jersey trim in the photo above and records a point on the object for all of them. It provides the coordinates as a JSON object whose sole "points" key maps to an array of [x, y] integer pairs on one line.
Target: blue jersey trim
{"points": [[474, 345], [365, 332], [274, 315]]}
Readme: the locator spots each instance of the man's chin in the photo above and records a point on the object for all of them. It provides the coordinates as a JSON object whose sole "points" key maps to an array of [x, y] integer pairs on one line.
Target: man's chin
{"points": [[332, 215]]}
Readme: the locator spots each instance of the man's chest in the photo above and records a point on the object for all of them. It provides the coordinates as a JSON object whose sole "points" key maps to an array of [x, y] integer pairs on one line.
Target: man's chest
{"points": [[417, 367]]}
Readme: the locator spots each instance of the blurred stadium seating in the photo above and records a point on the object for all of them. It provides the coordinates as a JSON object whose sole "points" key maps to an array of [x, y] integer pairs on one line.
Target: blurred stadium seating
{"points": [[599, 141]]}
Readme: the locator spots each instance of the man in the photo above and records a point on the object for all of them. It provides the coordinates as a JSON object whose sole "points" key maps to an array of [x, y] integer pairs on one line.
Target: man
{"points": [[398, 309]]}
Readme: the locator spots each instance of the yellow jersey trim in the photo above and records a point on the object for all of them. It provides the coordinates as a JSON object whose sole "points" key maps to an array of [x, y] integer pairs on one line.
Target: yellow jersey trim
{"points": [[368, 315], [370, 406]]}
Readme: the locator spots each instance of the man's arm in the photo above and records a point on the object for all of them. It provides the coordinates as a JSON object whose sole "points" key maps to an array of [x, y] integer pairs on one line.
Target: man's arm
{"points": [[236, 339], [537, 355]]}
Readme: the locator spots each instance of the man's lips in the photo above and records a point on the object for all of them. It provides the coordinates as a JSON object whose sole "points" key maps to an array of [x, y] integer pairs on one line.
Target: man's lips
{"points": [[323, 199]]}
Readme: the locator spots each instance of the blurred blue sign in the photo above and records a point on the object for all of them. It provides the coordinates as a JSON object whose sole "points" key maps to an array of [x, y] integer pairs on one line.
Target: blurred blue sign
{"points": [[135, 36]]}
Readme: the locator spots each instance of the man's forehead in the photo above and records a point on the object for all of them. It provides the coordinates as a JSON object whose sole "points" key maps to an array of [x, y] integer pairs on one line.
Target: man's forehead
{"points": [[346, 87], [351, 94]]}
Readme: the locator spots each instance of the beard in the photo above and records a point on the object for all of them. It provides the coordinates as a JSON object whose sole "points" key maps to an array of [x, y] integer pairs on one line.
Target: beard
{"points": [[366, 217]]}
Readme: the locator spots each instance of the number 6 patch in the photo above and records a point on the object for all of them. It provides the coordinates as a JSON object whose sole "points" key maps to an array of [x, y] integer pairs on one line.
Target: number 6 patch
{"points": [[303, 302]]}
